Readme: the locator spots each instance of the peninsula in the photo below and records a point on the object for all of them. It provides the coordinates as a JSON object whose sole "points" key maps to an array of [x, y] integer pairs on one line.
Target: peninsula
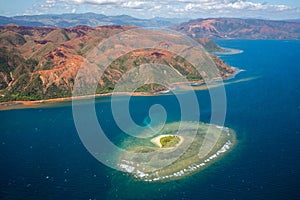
{"points": [[40, 63]]}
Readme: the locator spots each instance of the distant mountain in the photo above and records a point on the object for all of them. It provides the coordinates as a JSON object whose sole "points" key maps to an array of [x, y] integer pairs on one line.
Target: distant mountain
{"points": [[232, 28], [293, 20], [9, 20], [87, 19], [42, 62], [216, 28]]}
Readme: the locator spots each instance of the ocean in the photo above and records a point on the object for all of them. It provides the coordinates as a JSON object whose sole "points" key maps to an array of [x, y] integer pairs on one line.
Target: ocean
{"points": [[42, 156]]}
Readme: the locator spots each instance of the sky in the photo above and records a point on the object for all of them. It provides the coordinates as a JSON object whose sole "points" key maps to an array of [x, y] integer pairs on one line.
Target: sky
{"points": [[267, 9]]}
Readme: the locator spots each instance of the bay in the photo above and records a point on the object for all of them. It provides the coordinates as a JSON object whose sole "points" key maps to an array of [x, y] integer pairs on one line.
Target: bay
{"points": [[42, 156]]}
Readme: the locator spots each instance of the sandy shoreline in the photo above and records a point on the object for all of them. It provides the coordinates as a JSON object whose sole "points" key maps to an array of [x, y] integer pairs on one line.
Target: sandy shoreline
{"points": [[10, 105], [156, 140]]}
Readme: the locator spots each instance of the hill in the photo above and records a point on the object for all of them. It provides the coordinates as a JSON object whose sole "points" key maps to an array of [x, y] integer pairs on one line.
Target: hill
{"points": [[232, 28], [87, 19], [42, 62]]}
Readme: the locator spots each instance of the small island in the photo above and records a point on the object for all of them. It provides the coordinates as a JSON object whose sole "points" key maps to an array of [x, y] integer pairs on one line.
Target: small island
{"points": [[174, 154], [167, 141]]}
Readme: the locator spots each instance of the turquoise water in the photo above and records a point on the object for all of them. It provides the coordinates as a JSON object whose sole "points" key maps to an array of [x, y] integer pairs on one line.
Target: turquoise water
{"points": [[42, 156]]}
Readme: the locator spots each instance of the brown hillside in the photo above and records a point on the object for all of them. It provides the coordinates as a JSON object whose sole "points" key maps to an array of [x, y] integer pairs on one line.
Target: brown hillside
{"points": [[42, 62]]}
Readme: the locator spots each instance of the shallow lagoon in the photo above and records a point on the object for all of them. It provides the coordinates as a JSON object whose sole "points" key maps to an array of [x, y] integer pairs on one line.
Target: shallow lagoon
{"points": [[145, 161]]}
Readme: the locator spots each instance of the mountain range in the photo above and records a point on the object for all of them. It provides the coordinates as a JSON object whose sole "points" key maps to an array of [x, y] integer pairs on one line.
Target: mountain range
{"points": [[216, 28], [87, 19]]}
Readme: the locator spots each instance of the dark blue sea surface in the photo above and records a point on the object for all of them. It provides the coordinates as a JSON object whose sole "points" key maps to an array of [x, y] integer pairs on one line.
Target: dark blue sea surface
{"points": [[42, 157]]}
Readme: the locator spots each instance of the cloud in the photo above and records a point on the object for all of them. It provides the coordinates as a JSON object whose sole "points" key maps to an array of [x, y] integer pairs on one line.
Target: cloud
{"points": [[50, 1], [94, 2], [134, 4], [179, 8], [232, 5]]}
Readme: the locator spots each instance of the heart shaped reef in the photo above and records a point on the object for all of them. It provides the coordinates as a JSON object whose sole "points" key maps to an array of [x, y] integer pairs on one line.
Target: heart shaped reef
{"points": [[178, 150]]}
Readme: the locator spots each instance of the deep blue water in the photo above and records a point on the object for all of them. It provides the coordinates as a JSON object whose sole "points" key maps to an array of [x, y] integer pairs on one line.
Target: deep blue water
{"points": [[42, 157]]}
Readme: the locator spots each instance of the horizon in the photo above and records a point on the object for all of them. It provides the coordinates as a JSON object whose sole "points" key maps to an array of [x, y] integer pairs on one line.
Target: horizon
{"points": [[180, 9], [178, 18]]}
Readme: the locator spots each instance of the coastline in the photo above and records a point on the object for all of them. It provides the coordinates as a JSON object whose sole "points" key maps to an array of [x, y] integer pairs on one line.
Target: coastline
{"points": [[10, 105], [199, 85]]}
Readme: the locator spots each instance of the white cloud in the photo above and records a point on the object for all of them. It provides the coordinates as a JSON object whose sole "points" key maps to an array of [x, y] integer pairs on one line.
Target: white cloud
{"points": [[96, 2], [179, 8], [50, 1], [133, 4], [233, 5]]}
